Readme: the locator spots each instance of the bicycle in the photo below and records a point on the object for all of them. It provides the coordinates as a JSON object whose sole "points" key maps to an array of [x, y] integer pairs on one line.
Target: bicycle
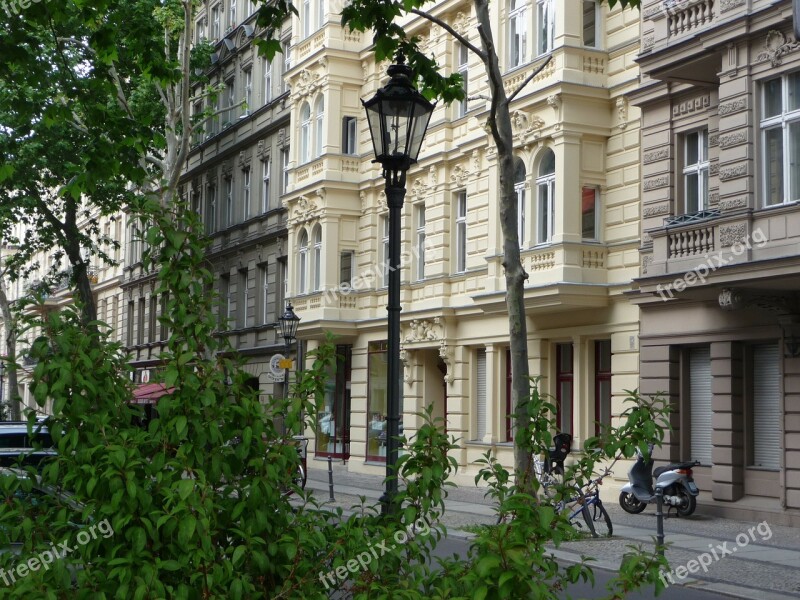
{"points": [[590, 507]]}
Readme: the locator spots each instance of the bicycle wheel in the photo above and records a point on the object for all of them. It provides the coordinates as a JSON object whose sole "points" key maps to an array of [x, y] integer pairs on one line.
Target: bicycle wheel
{"points": [[581, 520], [600, 519]]}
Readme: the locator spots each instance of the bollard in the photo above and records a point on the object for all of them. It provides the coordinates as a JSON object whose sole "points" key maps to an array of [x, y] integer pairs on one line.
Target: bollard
{"points": [[660, 520], [330, 478]]}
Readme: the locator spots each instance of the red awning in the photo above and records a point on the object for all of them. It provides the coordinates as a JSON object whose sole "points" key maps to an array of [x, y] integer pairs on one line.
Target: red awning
{"points": [[148, 393]]}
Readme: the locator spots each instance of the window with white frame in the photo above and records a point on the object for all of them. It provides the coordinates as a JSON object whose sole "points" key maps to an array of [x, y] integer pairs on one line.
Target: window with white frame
{"points": [[287, 64], [305, 133], [590, 196], [230, 97], [545, 21], [266, 166], [242, 296], [461, 232], [517, 33], [545, 191], [211, 209], [263, 301], [385, 246], [420, 246], [346, 263], [780, 130], [216, 26], [695, 170], [302, 274], [317, 258], [253, 6], [248, 91], [462, 56], [285, 170], [320, 13], [267, 80], [228, 202], [306, 18], [227, 303], [591, 20], [200, 30], [246, 194], [519, 191], [232, 14], [350, 135], [319, 110]]}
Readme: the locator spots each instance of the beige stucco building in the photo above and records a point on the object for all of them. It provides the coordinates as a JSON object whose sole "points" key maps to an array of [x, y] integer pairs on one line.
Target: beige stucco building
{"points": [[721, 232]]}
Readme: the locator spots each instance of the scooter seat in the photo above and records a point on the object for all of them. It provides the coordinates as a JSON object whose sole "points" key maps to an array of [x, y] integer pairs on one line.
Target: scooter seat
{"points": [[671, 467]]}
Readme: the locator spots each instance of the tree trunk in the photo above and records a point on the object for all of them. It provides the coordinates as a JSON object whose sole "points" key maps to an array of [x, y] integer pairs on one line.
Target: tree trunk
{"points": [[10, 361], [500, 125]]}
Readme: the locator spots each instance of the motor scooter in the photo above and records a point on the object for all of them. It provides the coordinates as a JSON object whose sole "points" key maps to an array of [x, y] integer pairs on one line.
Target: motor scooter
{"points": [[680, 490]]}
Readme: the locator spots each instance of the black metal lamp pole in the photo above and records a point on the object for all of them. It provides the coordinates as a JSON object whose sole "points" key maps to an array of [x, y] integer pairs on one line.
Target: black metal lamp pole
{"points": [[288, 323], [398, 116]]}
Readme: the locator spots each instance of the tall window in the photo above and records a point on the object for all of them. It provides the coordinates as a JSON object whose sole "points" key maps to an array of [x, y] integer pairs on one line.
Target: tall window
{"points": [[349, 135], [263, 298], [282, 290], [589, 213], [602, 385], [780, 124], [519, 190], [319, 110], [232, 14], [462, 54], [211, 209], [517, 33], [287, 64], [764, 408], [699, 409], [385, 257], [545, 189], [152, 325], [317, 257], [461, 232], [320, 13], [164, 315], [230, 100], [481, 394], [241, 299], [305, 133], [420, 248], [695, 170], [346, 260], [377, 389], [246, 193], [590, 20], [200, 30], [306, 17], [265, 175], [228, 203], [285, 170], [302, 274], [248, 90], [267, 81], [215, 22], [564, 381], [142, 305], [545, 20], [130, 321], [225, 296]]}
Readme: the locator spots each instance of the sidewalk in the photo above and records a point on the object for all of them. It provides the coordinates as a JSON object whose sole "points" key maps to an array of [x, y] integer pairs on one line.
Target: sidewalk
{"points": [[754, 567]]}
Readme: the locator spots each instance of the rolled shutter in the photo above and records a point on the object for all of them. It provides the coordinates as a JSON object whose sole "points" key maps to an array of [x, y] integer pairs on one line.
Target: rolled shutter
{"points": [[481, 399], [766, 407], [700, 404]]}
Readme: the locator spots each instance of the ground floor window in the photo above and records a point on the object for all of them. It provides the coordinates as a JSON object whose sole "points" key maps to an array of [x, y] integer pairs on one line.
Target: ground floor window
{"points": [[333, 420], [602, 385], [377, 390], [699, 390], [564, 387], [764, 410]]}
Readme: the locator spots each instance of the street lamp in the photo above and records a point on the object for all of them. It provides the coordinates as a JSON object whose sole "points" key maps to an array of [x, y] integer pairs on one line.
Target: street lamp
{"points": [[288, 323], [398, 116]]}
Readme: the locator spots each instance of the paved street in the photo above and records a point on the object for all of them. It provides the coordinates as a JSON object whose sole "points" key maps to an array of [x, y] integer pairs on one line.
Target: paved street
{"points": [[762, 564]]}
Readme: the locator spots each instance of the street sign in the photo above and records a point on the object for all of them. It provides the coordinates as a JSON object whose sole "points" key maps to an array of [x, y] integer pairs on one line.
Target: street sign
{"points": [[276, 373]]}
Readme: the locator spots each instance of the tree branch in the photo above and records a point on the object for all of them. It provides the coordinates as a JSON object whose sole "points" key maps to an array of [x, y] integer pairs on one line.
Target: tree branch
{"points": [[461, 39], [529, 78]]}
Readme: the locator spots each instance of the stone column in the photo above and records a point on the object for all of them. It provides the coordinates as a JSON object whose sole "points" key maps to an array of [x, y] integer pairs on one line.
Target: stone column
{"points": [[727, 422]]}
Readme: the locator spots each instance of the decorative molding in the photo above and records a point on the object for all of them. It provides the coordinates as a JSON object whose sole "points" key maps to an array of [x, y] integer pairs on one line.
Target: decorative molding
{"points": [[713, 168], [446, 354], [776, 46], [262, 150], [655, 182], [407, 359], [713, 198], [306, 209], [383, 206], [419, 189], [732, 172], [713, 140], [648, 42], [689, 106], [732, 107], [647, 260], [476, 162], [727, 5], [660, 154], [622, 111], [461, 24], [432, 177], [227, 169], [649, 13], [306, 83], [732, 234], [655, 210], [733, 203], [244, 159], [459, 176], [424, 330], [732, 139]]}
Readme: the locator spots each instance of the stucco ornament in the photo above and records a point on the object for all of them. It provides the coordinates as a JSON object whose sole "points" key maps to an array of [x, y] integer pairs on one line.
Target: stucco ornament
{"points": [[306, 209], [776, 47], [425, 333]]}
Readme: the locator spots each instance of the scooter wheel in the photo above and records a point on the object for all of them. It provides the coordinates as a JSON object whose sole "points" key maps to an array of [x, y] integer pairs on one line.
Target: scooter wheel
{"points": [[630, 504], [688, 503]]}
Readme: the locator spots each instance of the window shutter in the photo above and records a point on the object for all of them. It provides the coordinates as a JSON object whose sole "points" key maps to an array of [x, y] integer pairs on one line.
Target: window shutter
{"points": [[700, 404], [766, 407], [481, 399]]}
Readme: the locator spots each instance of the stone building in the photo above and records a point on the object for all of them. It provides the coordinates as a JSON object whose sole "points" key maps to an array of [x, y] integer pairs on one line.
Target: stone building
{"points": [[720, 239]]}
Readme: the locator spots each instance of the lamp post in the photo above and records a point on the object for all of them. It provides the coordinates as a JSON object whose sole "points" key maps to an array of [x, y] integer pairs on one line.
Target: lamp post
{"points": [[288, 323], [398, 116]]}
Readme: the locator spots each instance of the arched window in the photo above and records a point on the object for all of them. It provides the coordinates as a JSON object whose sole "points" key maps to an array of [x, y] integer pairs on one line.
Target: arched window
{"points": [[545, 191], [302, 283], [519, 190], [317, 237], [305, 132], [517, 33], [319, 110]]}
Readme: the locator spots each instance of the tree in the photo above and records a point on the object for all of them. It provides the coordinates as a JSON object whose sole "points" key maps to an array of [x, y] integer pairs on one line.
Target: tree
{"points": [[11, 332]]}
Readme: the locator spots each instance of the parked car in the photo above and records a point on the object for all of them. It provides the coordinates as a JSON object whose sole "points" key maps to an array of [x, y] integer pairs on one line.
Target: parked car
{"points": [[14, 434], [24, 457]]}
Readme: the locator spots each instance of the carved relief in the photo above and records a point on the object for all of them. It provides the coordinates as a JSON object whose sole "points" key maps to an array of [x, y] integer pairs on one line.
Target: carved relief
{"points": [[262, 150], [306, 83], [691, 105], [227, 169], [424, 330], [244, 159], [655, 155], [733, 203], [306, 209], [727, 5], [461, 24], [776, 46], [656, 210], [732, 139], [459, 175], [732, 172], [646, 261], [731, 107], [622, 112], [731, 234], [648, 42], [656, 182]]}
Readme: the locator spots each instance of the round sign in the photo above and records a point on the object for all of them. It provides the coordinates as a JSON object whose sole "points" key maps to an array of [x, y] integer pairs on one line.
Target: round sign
{"points": [[276, 372]]}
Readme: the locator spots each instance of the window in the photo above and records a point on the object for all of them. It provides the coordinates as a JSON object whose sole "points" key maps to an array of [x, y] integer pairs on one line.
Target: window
{"points": [[420, 209], [248, 91], [164, 316], [285, 167], [545, 189], [152, 328], [246, 194], [780, 124], [480, 399], [517, 34], [317, 257], [200, 30], [265, 170], [545, 20], [590, 20], [377, 390], [133, 245], [699, 371], [695, 170], [385, 257], [602, 385], [564, 381], [461, 232], [320, 13], [305, 133], [346, 270], [319, 110], [241, 299], [589, 212], [287, 64], [267, 80], [215, 22], [213, 116], [306, 17], [140, 322], [211, 209], [232, 14], [283, 285], [519, 190], [350, 135], [462, 54], [230, 94], [765, 411], [303, 264], [131, 316], [228, 203], [225, 297], [263, 299]]}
